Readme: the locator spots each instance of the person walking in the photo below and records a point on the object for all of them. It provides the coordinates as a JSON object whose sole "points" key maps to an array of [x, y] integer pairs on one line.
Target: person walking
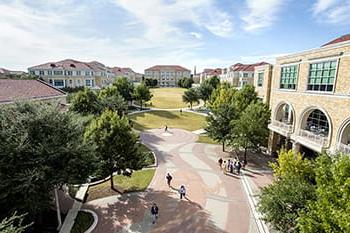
{"points": [[220, 161], [182, 192], [239, 165], [154, 212], [166, 128], [168, 179]]}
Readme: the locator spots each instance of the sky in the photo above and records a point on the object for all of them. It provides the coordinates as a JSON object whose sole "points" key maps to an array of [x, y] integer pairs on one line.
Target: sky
{"points": [[143, 33]]}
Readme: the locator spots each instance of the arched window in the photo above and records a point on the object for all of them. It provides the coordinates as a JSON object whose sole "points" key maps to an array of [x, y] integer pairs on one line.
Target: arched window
{"points": [[317, 123]]}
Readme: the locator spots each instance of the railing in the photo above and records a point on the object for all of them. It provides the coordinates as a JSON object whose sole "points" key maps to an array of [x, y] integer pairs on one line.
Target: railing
{"points": [[282, 125], [317, 138], [344, 148]]}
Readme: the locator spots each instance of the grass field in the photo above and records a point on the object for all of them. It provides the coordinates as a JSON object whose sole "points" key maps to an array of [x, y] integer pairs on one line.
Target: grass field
{"points": [[206, 139], [167, 98], [173, 119], [138, 181]]}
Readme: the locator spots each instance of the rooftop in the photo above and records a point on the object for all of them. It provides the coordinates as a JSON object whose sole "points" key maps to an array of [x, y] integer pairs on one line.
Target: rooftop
{"points": [[246, 67], [168, 67], [12, 90], [338, 40]]}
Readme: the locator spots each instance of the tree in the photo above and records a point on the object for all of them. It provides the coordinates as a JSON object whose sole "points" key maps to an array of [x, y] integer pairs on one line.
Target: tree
{"points": [[112, 100], [185, 82], [142, 94], [245, 97], [213, 81], [218, 126], [223, 112], [125, 88], [85, 102], [330, 211], [13, 224], [151, 82], [190, 96], [250, 130], [116, 144], [282, 202], [41, 148], [205, 91]]}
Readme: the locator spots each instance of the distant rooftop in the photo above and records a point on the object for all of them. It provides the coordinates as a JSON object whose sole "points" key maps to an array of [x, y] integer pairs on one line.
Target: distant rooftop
{"points": [[246, 67], [338, 40], [12, 90], [170, 67]]}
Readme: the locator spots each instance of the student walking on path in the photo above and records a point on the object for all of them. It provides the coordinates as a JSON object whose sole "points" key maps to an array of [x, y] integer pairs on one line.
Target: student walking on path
{"points": [[182, 191], [166, 129], [154, 212], [169, 178]]}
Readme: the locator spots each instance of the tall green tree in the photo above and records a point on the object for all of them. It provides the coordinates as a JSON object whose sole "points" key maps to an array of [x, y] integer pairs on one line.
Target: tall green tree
{"points": [[115, 142], [213, 81], [245, 97], [142, 94], [125, 88], [85, 102], [185, 82], [282, 201], [205, 91], [190, 96], [250, 130], [218, 126], [111, 99], [41, 148], [330, 211]]}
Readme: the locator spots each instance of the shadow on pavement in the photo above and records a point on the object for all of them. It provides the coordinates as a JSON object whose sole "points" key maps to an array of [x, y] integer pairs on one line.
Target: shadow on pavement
{"points": [[175, 215]]}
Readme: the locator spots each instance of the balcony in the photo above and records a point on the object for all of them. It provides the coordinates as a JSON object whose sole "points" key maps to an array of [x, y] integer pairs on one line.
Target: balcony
{"points": [[344, 148], [281, 128], [313, 140]]}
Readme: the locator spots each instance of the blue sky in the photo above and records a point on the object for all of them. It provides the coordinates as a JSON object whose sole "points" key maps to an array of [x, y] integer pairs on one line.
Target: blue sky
{"points": [[139, 34]]}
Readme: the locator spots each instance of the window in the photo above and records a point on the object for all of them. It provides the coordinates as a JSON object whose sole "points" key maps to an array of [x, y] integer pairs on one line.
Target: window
{"points": [[322, 76], [58, 72], [289, 76], [87, 73], [70, 81], [260, 79], [317, 123], [88, 82], [245, 75], [78, 72], [50, 81], [69, 72], [41, 72], [32, 72], [92, 83], [58, 83], [49, 72]]}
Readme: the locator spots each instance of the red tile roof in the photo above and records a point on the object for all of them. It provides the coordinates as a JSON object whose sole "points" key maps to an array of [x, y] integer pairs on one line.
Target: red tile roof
{"points": [[216, 71], [167, 67], [246, 67], [4, 71], [70, 64], [11, 90], [338, 40]]}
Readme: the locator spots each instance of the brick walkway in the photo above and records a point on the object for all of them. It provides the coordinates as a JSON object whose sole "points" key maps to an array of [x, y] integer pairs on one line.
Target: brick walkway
{"points": [[215, 202]]}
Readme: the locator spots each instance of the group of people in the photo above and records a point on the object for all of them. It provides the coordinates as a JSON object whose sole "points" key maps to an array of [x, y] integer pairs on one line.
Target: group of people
{"points": [[232, 166], [155, 209]]}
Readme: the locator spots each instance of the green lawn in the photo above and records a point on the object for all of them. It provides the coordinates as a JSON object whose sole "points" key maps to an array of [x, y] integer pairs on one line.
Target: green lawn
{"points": [[206, 139], [138, 181], [167, 98], [173, 119], [83, 221]]}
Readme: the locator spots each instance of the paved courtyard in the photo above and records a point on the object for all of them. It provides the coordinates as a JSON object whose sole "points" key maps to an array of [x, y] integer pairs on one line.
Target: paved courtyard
{"points": [[215, 202]]}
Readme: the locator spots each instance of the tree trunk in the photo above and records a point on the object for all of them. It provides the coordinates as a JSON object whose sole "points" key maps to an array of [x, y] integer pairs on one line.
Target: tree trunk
{"points": [[58, 210], [112, 183], [191, 105], [141, 104], [245, 154], [223, 145]]}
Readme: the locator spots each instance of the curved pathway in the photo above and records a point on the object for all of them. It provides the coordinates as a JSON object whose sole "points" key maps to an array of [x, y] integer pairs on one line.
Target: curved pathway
{"points": [[215, 202]]}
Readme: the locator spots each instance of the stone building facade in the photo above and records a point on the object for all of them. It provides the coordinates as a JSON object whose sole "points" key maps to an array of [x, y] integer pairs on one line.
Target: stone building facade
{"points": [[167, 75], [310, 100]]}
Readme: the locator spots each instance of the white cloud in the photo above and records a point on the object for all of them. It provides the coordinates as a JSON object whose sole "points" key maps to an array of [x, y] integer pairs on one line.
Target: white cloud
{"points": [[332, 11], [196, 35], [261, 13]]}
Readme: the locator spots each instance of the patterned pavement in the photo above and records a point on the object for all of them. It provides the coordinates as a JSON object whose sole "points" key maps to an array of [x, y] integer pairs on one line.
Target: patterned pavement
{"points": [[215, 202]]}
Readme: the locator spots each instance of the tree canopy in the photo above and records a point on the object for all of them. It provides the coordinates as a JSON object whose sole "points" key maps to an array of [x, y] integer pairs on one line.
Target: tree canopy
{"points": [[190, 96], [142, 93], [111, 99], [40, 148], [204, 92], [116, 144], [185, 82], [125, 88], [85, 102]]}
